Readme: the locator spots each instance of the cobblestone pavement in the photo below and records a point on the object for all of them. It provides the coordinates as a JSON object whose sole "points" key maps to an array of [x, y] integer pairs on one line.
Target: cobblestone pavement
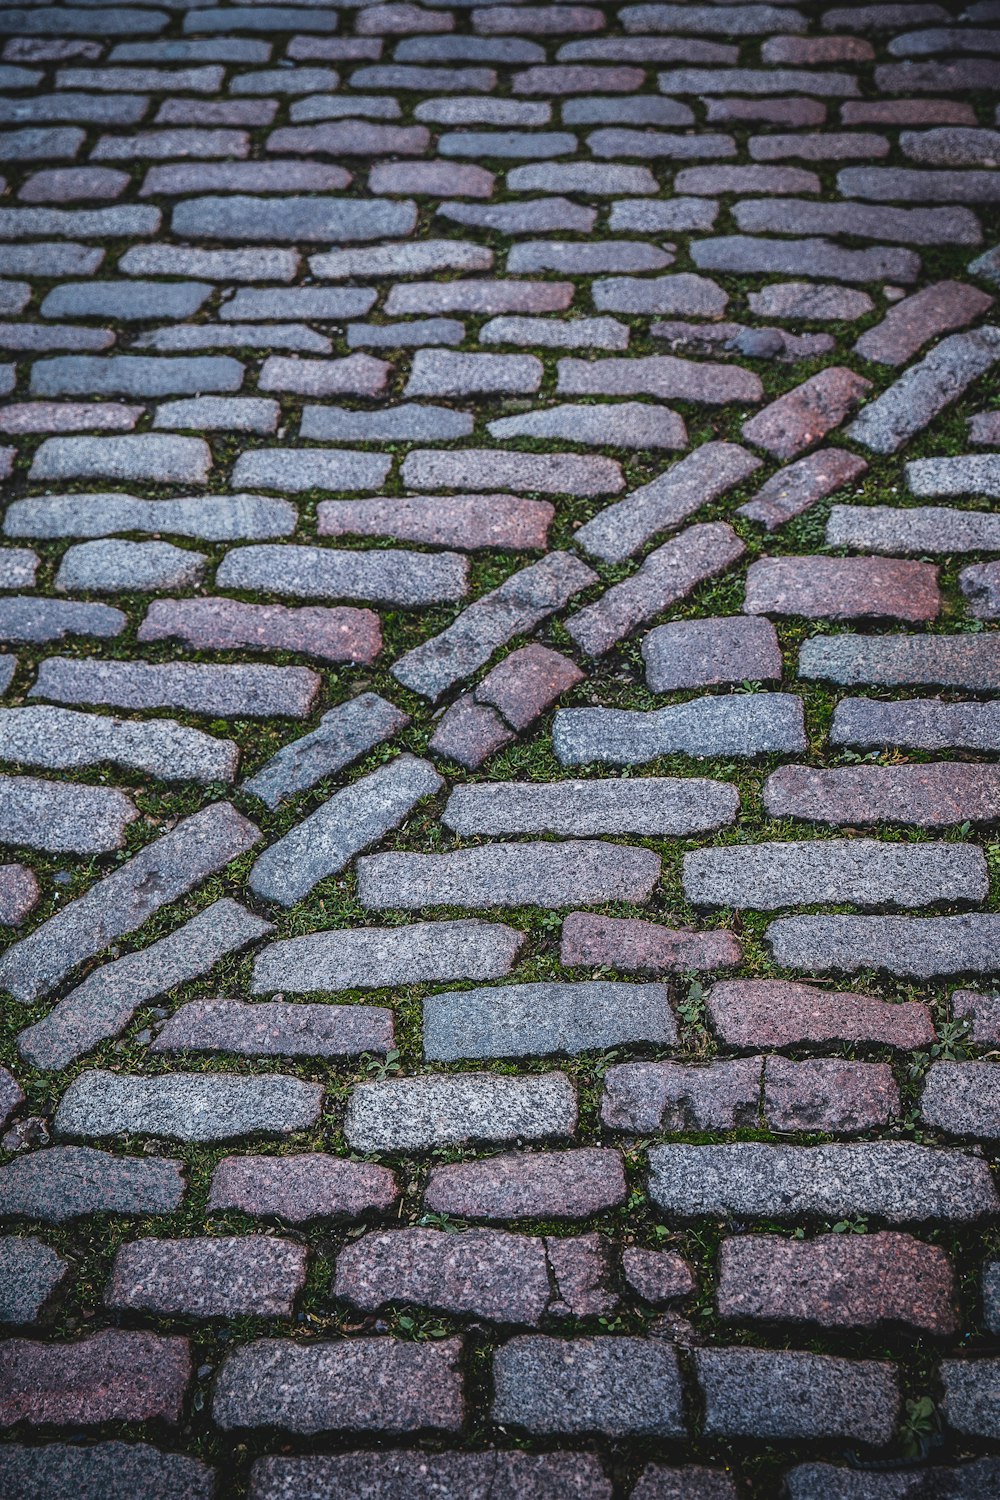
{"points": [[499, 726]]}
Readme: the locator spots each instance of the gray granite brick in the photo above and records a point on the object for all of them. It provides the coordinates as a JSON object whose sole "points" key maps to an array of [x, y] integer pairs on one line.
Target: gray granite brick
{"points": [[220, 414], [804, 1395], [63, 739], [925, 390], [625, 424], [30, 1272], [653, 806], [231, 1276], [134, 375], [529, 1184], [910, 947], [967, 661], [409, 580], [144, 456], [810, 257], [216, 518], [25, 617], [187, 1106], [243, 689], [542, 473], [617, 1387], [647, 1097], [736, 724], [970, 474], [417, 1114], [916, 723], [300, 1188], [295, 469], [702, 653], [63, 817], [525, 1020], [343, 735], [938, 794], [108, 566], [383, 957], [62, 1183], [274, 1029], [294, 220]]}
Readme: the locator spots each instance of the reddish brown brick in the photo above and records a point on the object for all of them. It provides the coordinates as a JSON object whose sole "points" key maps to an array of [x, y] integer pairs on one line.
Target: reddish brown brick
{"points": [[837, 1281], [469, 732], [19, 892], [629, 944], [339, 634], [907, 112], [827, 1094], [935, 795], [301, 1188], [528, 1185], [843, 588], [794, 489], [918, 319], [657, 1275], [112, 1376], [778, 1013], [527, 682], [804, 415], [463, 521]]}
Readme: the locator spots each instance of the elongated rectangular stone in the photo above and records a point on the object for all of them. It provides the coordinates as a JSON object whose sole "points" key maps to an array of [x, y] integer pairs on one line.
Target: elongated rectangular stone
{"points": [[654, 806], [668, 574], [843, 588], [187, 1106], [965, 661], [800, 485], [617, 1386], [744, 724], [933, 795], [301, 1188], [62, 1183], [136, 375], [63, 817], [466, 522], [552, 875], [926, 389], [116, 1375], [967, 474], [293, 470], [806, 1396], [491, 468], [660, 375], [382, 957], [295, 220], [915, 723], [120, 902], [813, 872], [109, 997], [338, 634], [914, 528], [63, 739], [416, 1114], [275, 1029], [515, 608], [635, 946], [778, 1013], [524, 1020], [217, 518], [911, 947], [620, 529], [892, 1180], [351, 820], [241, 690], [343, 735], [407, 579], [529, 1184], [252, 1275]]}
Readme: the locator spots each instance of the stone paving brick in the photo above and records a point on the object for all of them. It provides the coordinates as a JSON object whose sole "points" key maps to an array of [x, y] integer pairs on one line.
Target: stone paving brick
{"points": [[291, 220], [63, 817], [420, 332], [301, 1188], [973, 473], [350, 635], [925, 389], [63, 739], [895, 1180], [667, 575], [542, 473], [898, 660], [222, 691], [984, 428], [462, 521], [119, 903], [351, 820], [800, 418], [919, 947], [232, 1276], [737, 724], [539, 1184], [135, 375], [811, 257], [626, 424], [837, 1281], [657, 1276], [633, 945], [654, 806], [692, 1482], [343, 735], [585, 873], [275, 1029], [922, 528], [615, 1386], [187, 1106], [707, 181], [31, 1272], [913, 322], [410, 580], [105, 567], [145, 456], [294, 470], [220, 413], [19, 892], [843, 588], [981, 586], [839, 1098], [934, 795], [525, 1020], [778, 1013], [647, 1097], [416, 259], [111, 1470], [658, 375], [703, 653], [410, 422], [963, 1098], [469, 733], [550, 333], [417, 1114], [808, 1395], [970, 1388], [11, 1093], [55, 416], [378, 958], [915, 723], [112, 1375], [70, 1182], [268, 264], [519, 604], [398, 1474], [382, 1385]]}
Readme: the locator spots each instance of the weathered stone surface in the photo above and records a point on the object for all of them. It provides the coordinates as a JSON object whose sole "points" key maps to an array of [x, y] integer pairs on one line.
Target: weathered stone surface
{"points": [[216, 518], [755, 255], [981, 586], [803, 299], [469, 732], [704, 653], [778, 1013], [489, 468], [925, 389], [913, 947], [301, 1188], [967, 661], [11, 1096], [970, 1396], [19, 892], [416, 1114], [63, 817], [828, 1094], [113, 1375], [963, 1098], [660, 375], [111, 565], [981, 1012], [102, 1471], [370, 1384], [738, 724], [813, 872], [647, 1097], [913, 528], [343, 735], [620, 529], [274, 1029], [666, 576], [913, 322], [379, 958], [971, 474], [585, 873], [934, 795], [794, 489], [174, 863], [241, 690], [800, 418], [409, 580], [30, 1271], [146, 456], [526, 1020], [466, 522], [516, 607], [657, 1276], [187, 1106], [837, 1281], [808, 1395], [529, 1184], [631, 945], [626, 424], [324, 219], [582, 1269], [618, 1387], [651, 806], [63, 1183], [485, 1272], [399, 1474], [296, 469], [231, 1276], [351, 820], [62, 739], [893, 1180], [527, 682], [691, 1482], [108, 998], [352, 635]]}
